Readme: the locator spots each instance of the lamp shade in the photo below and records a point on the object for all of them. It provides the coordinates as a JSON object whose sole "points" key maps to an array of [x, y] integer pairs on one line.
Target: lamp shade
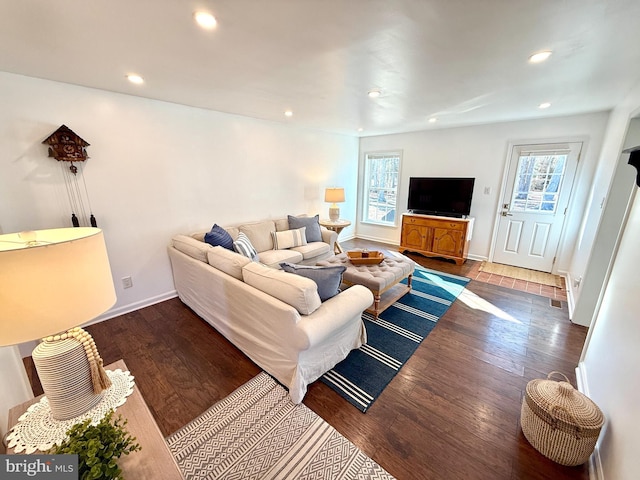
{"points": [[58, 280], [334, 195]]}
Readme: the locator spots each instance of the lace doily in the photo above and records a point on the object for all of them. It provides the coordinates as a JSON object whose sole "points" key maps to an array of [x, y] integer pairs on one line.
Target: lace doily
{"points": [[38, 430]]}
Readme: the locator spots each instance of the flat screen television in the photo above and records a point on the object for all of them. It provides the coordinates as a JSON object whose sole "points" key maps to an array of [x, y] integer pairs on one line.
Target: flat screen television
{"points": [[445, 196]]}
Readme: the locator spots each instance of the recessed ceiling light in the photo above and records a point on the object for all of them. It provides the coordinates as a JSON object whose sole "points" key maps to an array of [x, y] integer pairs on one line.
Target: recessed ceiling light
{"points": [[205, 20], [544, 105], [135, 78], [540, 56], [288, 113], [361, 129], [433, 120], [374, 93]]}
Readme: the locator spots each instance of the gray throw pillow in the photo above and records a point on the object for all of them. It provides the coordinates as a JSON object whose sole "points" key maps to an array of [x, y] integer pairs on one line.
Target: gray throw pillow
{"points": [[328, 279], [312, 223]]}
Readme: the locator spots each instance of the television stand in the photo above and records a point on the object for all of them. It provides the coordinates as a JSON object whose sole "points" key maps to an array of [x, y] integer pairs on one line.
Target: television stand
{"points": [[436, 236]]}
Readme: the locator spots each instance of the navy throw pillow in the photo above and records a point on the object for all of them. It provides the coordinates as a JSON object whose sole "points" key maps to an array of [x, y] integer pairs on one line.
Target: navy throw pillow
{"points": [[219, 236], [328, 279], [312, 224]]}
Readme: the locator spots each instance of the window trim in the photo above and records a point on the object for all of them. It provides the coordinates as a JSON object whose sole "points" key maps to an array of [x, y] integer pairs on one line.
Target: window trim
{"points": [[364, 195]]}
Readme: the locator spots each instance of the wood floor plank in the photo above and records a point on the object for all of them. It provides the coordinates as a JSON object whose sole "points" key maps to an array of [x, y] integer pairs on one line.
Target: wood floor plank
{"points": [[452, 412]]}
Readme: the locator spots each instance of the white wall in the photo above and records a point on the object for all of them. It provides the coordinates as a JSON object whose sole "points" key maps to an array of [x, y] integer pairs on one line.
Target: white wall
{"points": [[157, 169], [14, 385], [612, 359], [610, 366], [481, 152]]}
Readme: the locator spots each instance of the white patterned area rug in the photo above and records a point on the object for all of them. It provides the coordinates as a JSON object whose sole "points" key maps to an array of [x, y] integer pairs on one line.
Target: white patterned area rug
{"points": [[258, 433]]}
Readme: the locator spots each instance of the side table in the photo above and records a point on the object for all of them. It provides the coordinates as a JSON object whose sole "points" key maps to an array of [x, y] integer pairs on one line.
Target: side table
{"points": [[155, 460], [337, 227]]}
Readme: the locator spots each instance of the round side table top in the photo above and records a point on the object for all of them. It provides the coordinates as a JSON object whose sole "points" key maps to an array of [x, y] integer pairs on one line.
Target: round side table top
{"points": [[338, 223]]}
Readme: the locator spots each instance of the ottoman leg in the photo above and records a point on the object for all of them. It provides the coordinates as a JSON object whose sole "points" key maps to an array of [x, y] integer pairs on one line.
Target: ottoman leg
{"points": [[409, 280], [376, 304]]}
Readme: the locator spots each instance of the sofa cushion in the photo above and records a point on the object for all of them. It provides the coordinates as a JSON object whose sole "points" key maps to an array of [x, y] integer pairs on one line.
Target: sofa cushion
{"points": [[313, 249], [243, 246], [299, 292], [227, 261], [328, 279], [192, 247], [281, 224], [273, 258], [259, 234], [219, 236], [289, 238], [313, 226]]}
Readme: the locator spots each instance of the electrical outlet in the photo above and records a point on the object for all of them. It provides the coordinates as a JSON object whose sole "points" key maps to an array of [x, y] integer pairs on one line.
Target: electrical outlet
{"points": [[487, 190], [127, 282]]}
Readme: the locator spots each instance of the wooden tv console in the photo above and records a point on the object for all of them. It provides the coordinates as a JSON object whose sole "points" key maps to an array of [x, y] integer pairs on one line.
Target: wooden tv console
{"points": [[435, 236]]}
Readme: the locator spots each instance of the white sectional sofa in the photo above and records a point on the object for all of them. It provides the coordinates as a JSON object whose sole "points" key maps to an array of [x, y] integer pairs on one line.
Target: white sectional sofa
{"points": [[276, 318]]}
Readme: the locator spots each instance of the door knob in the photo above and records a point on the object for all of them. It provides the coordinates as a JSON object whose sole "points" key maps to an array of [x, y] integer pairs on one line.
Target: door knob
{"points": [[506, 214]]}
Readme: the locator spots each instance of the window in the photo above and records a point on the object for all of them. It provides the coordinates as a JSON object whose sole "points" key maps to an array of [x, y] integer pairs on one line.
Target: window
{"points": [[538, 182], [381, 172]]}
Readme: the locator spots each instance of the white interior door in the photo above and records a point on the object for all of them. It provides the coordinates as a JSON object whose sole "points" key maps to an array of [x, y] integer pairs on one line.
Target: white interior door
{"points": [[535, 199]]}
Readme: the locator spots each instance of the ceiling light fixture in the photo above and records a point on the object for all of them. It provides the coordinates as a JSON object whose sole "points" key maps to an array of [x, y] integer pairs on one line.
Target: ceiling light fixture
{"points": [[544, 105], [288, 113], [374, 93], [433, 120], [135, 78], [540, 56], [205, 20]]}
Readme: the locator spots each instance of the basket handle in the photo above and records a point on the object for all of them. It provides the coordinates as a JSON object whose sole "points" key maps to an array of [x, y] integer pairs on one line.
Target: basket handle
{"points": [[555, 372], [555, 418]]}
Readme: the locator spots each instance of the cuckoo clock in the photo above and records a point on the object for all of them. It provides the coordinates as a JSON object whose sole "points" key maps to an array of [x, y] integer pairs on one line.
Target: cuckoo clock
{"points": [[66, 146]]}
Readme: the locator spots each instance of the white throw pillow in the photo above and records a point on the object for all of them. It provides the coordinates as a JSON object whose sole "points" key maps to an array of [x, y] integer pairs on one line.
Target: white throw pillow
{"points": [[299, 292], [289, 238]]}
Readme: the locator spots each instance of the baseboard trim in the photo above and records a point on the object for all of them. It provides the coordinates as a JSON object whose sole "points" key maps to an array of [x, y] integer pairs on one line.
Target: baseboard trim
{"points": [[131, 307], [595, 461], [571, 301]]}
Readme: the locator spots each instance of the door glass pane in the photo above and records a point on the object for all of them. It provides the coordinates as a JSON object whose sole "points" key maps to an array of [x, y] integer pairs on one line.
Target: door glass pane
{"points": [[538, 183]]}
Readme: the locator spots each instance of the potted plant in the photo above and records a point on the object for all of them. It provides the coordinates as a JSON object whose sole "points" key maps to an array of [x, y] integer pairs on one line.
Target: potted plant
{"points": [[98, 447]]}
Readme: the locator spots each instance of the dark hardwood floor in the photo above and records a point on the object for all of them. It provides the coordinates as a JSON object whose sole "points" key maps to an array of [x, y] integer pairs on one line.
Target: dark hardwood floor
{"points": [[451, 413]]}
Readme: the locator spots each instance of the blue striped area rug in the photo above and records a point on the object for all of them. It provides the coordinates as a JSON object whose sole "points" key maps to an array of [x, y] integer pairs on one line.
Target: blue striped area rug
{"points": [[393, 337]]}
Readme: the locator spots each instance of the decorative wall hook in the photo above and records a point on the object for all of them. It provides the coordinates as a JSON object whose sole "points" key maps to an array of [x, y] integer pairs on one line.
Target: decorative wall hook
{"points": [[634, 160], [66, 146]]}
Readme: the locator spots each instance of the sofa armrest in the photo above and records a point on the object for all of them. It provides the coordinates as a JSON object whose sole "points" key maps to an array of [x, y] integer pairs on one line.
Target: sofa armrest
{"points": [[335, 312], [329, 236]]}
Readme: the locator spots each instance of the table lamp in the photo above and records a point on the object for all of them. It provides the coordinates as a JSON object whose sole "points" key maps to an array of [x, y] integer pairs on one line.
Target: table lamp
{"points": [[50, 282], [334, 195]]}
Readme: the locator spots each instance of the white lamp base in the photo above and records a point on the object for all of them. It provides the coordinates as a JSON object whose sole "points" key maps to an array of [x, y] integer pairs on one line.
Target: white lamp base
{"points": [[65, 374], [334, 213]]}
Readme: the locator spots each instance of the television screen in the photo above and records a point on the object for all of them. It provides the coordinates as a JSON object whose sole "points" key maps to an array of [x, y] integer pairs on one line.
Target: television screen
{"points": [[450, 197]]}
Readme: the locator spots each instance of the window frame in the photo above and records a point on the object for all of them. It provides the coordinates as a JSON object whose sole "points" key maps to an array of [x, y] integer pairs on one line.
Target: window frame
{"points": [[366, 187]]}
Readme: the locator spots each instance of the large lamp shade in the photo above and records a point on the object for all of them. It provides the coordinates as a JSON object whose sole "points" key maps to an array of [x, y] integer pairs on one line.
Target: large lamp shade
{"points": [[52, 280]]}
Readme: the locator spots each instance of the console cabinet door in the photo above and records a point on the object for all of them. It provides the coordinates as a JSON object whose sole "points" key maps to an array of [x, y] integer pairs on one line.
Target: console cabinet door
{"points": [[414, 236], [447, 242]]}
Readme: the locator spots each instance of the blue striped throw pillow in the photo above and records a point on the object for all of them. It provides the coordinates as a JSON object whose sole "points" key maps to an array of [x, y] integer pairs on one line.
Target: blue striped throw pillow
{"points": [[243, 246]]}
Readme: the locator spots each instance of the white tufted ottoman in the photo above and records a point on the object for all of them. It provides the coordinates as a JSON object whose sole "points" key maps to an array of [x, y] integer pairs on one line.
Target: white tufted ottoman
{"points": [[382, 279]]}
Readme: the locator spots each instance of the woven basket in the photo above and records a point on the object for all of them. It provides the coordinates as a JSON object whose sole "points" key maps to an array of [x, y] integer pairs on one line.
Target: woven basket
{"points": [[560, 422]]}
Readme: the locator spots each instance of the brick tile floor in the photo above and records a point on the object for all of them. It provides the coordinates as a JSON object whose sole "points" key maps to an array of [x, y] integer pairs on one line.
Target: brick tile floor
{"points": [[536, 288]]}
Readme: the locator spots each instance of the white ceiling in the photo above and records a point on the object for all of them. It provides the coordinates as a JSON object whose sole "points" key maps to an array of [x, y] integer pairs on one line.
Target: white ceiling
{"points": [[462, 61]]}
